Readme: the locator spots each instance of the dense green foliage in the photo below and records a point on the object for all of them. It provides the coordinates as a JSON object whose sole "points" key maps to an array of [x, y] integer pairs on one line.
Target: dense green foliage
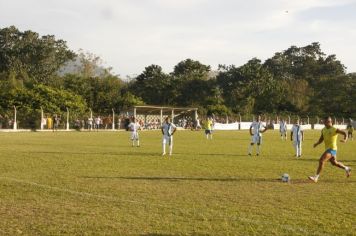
{"points": [[299, 80]]}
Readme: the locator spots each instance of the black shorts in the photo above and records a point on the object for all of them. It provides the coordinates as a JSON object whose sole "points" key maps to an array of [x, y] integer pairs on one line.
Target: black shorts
{"points": [[208, 131]]}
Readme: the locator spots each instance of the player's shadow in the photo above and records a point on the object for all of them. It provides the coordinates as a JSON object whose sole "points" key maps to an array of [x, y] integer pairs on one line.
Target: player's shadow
{"points": [[99, 153], [306, 159], [163, 178], [157, 234], [222, 154], [221, 179]]}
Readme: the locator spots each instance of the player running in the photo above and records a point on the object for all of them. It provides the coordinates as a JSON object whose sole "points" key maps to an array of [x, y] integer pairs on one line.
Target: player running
{"points": [[329, 137], [256, 130], [134, 127], [283, 129], [297, 136], [168, 129]]}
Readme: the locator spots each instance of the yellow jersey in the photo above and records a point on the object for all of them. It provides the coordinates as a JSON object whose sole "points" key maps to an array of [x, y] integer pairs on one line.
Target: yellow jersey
{"points": [[330, 138], [208, 124]]}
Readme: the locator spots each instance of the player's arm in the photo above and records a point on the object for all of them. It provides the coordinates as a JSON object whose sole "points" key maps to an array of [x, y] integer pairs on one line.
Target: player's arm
{"points": [[302, 132], [251, 130], [338, 131], [162, 130], [321, 139], [291, 135]]}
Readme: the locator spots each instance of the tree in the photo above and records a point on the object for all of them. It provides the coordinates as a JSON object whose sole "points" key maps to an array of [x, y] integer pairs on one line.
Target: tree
{"points": [[190, 70], [153, 86], [28, 54]]}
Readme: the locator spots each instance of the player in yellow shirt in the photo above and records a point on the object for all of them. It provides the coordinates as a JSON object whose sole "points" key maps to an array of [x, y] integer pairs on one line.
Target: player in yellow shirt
{"points": [[329, 137], [209, 128]]}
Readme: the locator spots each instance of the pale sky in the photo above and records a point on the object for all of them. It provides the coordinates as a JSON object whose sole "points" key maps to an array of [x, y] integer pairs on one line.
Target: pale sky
{"points": [[132, 34]]}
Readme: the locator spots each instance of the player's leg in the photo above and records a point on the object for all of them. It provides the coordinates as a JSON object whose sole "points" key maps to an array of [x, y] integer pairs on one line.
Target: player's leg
{"points": [[250, 148], [137, 140], [259, 143], [339, 164], [164, 140], [324, 158], [295, 146], [253, 141], [170, 145], [132, 139], [300, 148]]}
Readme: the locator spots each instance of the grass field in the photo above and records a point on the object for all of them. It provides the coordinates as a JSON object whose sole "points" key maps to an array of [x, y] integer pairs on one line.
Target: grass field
{"points": [[81, 183]]}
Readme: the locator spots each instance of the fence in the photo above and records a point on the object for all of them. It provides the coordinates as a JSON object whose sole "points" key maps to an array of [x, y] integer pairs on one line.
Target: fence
{"points": [[67, 121]]}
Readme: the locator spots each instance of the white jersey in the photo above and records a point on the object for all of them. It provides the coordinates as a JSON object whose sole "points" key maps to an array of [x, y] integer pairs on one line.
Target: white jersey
{"points": [[282, 126], [97, 121], [134, 127], [168, 129], [257, 127], [297, 132]]}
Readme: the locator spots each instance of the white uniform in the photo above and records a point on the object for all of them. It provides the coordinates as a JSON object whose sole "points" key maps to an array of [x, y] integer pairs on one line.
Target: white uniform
{"points": [[167, 133], [257, 127], [283, 129], [297, 131], [134, 127]]}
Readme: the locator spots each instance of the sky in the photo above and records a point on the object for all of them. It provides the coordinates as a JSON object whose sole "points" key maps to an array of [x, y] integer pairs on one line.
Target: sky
{"points": [[130, 35]]}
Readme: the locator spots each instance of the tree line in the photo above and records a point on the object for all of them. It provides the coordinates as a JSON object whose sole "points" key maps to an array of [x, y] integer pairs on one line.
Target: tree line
{"points": [[298, 80]]}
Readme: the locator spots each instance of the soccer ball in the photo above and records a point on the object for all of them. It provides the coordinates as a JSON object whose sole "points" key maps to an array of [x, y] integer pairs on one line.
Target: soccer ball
{"points": [[285, 177]]}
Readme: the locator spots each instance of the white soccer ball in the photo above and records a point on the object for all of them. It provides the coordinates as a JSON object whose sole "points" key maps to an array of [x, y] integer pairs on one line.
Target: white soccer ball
{"points": [[285, 177]]}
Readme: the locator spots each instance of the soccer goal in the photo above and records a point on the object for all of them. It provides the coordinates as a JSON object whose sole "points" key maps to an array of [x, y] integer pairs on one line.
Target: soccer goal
{"points": [[152, 117]]}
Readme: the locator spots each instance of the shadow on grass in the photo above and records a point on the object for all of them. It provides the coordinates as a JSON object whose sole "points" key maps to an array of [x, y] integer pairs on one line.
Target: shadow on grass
{"points": [[135, 152], [222, 154], [100, 153], [163, 178], [156, 234], [222, 179]]}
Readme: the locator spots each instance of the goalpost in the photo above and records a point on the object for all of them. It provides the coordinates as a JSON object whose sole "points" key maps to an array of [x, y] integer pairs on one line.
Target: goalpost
{"points": [[163, 111]]}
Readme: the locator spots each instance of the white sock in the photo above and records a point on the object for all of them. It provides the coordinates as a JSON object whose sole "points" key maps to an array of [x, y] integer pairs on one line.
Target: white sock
{"points": [[250, 149], [316, 176], [258, 149], [138, 142], [170, 149], [164, 148]]}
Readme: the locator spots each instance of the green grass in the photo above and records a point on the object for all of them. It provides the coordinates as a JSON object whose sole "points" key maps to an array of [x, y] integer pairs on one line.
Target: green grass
{"points": [[81, 183]]}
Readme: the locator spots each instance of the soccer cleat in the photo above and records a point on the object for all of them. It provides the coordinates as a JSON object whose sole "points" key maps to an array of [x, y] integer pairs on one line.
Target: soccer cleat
{"points": [[348, 172], [312, 178], [163, 154], [257, 154], [249, 154]]}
